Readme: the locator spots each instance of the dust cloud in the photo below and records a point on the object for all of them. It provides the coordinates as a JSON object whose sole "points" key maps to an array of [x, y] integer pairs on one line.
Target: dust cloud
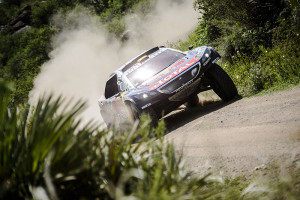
{"points": [[85, 54]]}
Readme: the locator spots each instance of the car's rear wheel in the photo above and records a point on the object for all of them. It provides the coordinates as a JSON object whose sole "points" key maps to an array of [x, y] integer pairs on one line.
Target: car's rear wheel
{"points": [[221, 83], [192, 102]]}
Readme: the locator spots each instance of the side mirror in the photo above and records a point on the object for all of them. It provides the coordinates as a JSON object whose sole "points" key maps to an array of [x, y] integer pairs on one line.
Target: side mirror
{"points": [[191, 47]]}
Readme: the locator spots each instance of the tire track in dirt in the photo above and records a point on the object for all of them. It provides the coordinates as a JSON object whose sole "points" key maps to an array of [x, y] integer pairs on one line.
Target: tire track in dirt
{"points": [[240, 137]]}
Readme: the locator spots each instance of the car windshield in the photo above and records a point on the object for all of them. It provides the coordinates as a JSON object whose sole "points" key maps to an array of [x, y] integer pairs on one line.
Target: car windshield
{"points": [[153, 66]]}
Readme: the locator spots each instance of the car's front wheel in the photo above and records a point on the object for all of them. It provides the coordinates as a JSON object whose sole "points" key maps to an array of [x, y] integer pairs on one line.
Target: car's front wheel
{"points": [[153, 116], [136, 113], [221, 83]]}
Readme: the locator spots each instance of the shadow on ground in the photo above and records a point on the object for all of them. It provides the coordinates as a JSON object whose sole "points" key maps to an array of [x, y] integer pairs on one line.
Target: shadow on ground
{"points": [[181, 117]]}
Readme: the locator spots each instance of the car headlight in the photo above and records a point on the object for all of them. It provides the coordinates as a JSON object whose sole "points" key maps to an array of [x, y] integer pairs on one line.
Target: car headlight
{"points": [[146, 95], [194, 71], [206, 54], [205, 58]]}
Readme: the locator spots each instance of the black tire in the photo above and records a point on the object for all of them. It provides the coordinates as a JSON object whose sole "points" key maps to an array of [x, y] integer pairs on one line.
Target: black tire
{"points": [[192, 102], [136, 114], [221, 83], [153, 116]]}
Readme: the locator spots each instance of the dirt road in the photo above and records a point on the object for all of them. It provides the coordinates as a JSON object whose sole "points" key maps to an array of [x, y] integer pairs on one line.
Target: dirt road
{"points": [[239, 137]]}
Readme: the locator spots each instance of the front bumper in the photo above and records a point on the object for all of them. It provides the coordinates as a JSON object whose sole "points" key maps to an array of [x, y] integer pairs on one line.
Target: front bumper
{"points": [[186, 92], [163, 103]]}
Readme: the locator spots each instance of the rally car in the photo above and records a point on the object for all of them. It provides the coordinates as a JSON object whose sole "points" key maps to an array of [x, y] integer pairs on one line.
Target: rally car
{"points": [[161, 79]]}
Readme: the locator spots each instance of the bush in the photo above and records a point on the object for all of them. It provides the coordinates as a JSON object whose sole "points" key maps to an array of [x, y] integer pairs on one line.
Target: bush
{"points": [[258, 40], [268, 67], [240, 25], [43, 11], [44, 152], [22, 56]]}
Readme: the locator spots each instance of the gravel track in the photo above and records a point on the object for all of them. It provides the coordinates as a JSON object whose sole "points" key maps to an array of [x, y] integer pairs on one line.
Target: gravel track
{"points": [[241, 137]]}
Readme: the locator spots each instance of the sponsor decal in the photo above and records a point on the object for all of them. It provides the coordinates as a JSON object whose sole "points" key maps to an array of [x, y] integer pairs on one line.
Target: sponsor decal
{"points": [[164, 72], [146, 106], [173, 74], [175, 65], [207, 61], [186, 84], [215, 60], [186, 90]]}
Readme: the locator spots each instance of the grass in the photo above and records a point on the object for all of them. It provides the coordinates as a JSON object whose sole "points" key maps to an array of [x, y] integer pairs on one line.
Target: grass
{"points": [[271, 69], [277, 88]]}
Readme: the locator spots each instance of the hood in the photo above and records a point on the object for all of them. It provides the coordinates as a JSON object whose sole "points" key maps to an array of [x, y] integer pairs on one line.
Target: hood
{"points": [[172, 71]]}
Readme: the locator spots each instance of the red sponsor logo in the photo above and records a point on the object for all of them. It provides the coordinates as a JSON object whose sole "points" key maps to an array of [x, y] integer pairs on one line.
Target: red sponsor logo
{"points": [[173, 74], [166, 71]]}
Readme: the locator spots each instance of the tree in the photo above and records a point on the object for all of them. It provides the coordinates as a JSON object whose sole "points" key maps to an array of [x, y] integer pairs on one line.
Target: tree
{"points": [[240, 24]]}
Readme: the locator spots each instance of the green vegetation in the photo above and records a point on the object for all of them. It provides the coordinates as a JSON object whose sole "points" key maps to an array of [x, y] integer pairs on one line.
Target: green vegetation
{"points": [[272, 68], [49, 155], [22, 54], [43, 152], [259, 41], [21, 57]]}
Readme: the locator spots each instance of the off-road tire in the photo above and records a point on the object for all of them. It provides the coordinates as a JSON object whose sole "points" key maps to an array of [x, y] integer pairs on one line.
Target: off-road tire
{"points": [[153, 116], [192, 102], [221, 83], [136, 114]]}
